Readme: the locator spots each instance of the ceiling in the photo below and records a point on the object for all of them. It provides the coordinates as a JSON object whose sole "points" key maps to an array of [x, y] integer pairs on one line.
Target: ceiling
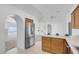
{"points": [[54, 12], [50, 12], [28, 8], [51, 9]]}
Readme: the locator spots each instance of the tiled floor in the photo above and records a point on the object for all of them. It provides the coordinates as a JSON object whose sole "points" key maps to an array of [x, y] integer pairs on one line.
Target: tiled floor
{"points": [[36, 49]]}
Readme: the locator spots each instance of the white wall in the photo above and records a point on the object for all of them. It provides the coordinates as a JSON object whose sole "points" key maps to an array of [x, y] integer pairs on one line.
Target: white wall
{"points": [[5, 11], [60, 27], [2, 35], [56, 28], [41, 29], [75, 32]]}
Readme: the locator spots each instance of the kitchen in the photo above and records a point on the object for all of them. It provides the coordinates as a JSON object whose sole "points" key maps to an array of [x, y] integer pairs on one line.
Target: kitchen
{"points": [[52, 30], [57, 42]]}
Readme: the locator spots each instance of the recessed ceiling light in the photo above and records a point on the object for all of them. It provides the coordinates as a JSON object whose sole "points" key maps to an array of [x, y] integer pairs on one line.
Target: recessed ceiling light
{"points": [[51, 17], [57, 11]]}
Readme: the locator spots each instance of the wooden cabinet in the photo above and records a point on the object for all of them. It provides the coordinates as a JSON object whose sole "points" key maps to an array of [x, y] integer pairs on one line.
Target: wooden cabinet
{"points": [[72, 20], [54, 45], [46, 44], [57, 45], [75, 18], [27, 20]]}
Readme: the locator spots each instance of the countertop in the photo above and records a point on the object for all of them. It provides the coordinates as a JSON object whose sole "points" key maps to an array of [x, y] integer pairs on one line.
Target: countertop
{"points": [[73, 42], [55, 36]]}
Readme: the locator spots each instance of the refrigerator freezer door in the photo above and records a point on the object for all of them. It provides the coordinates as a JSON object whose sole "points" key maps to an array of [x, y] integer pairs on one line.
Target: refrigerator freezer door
{"points": [[32, 41], [29, 35], [27, 42]]}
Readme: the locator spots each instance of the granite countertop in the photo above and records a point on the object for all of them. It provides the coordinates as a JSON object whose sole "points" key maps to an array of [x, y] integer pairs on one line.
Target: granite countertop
{"points": [[73, 42]]}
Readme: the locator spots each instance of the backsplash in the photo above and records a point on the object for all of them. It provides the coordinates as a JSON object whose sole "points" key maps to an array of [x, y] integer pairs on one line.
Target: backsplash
{"points": [[75, 32]]}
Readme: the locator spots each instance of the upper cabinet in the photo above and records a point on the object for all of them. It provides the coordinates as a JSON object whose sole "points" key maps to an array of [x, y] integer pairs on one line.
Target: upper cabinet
{"points": [[27, 20], [72, 20], [75, 18]]}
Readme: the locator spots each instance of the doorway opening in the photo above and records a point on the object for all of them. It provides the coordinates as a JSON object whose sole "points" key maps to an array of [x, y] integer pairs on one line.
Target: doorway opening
{"points": [[15, 32], [12, 33]]}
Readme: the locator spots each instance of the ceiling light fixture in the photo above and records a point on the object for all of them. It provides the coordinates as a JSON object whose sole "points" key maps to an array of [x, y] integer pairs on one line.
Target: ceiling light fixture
{"points": [[57, 11], [52, 17]]}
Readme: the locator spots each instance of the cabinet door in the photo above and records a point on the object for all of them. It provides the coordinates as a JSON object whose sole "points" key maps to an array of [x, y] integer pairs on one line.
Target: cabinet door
{"points": [[27, 20], [77, 19], [57, 45], [46, 44], [73, 20]]}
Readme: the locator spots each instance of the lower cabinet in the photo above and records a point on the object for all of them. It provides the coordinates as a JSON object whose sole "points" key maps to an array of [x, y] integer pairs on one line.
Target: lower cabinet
{"points": [[46, 44], [55, 45]]}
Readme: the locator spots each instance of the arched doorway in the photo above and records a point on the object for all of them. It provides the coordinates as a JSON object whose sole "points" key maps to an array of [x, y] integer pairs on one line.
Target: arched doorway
{"points": [[20, 31], [12, 33]]}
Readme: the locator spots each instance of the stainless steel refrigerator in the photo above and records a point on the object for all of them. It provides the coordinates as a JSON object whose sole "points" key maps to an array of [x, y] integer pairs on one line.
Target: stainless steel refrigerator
{"points": [[29, 35]]}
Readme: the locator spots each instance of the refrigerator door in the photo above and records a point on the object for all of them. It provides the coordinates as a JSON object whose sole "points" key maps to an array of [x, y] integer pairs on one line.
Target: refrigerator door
{"points": [[32, 38], [28, 30], [29, 35], [32, 41], [27, 42]]}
